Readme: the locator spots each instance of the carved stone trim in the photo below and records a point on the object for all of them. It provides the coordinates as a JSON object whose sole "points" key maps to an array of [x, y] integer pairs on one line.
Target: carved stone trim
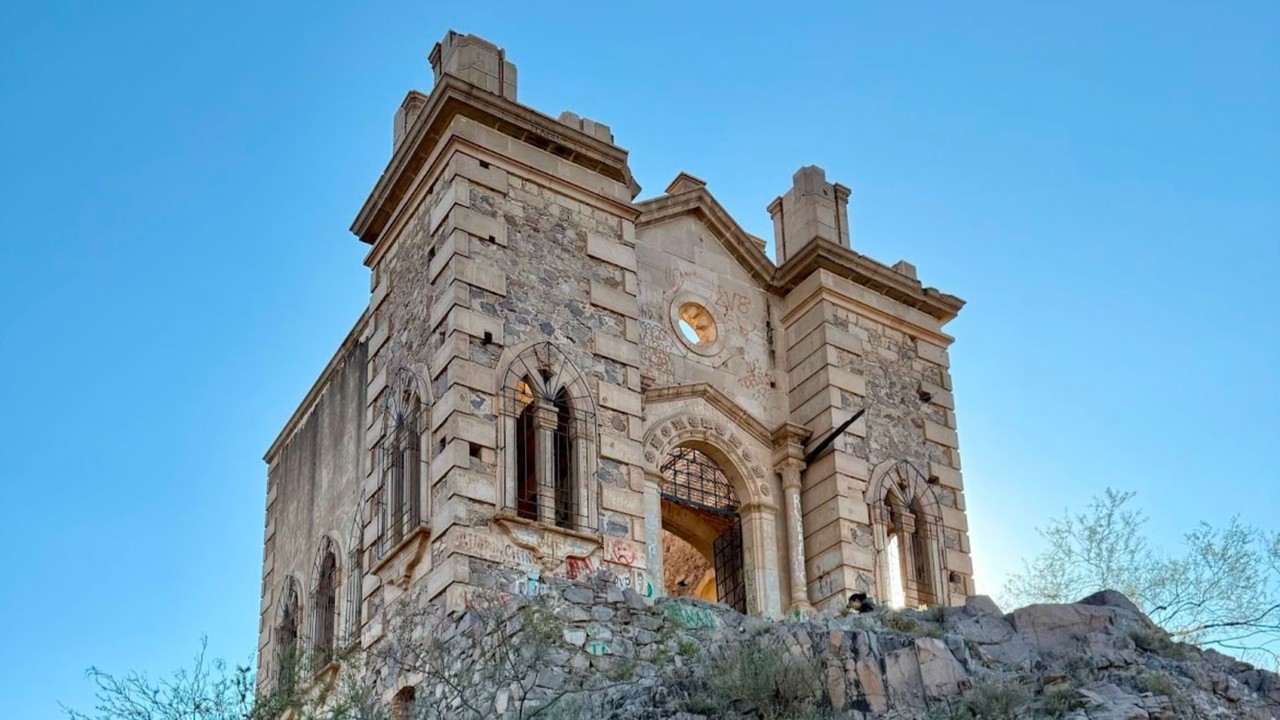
{"points": [[717, 399]]}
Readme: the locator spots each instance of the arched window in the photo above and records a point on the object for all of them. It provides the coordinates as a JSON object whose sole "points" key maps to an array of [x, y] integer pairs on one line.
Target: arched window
{"points": [[549, 437], [895, 594], [526, 442], [401, 461], [403, 704], [324, 606], [286, 637], [353, 589], [910, 565]]}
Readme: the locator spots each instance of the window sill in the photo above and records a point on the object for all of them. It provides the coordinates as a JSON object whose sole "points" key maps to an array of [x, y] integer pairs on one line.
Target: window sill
{"points": [[508, 517], [397, 566], [327, 674]]}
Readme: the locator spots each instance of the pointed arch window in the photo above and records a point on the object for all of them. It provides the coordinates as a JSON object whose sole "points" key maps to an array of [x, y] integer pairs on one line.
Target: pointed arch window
{"points": [[549, 439], [908, 522], [353, 588], [402, 464], [286, 638], [324, 606]]}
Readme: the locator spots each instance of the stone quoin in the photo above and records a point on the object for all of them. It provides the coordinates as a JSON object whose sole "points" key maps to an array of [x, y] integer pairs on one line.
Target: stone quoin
{"points": [[554, 377]]}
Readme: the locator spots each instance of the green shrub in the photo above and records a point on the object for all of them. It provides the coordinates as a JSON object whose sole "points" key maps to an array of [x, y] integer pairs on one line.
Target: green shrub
{"points": [[995, 700], [688, 648], [1061, 700], [1155, 640], [900, 622], [759, 675], [1157, 683]]}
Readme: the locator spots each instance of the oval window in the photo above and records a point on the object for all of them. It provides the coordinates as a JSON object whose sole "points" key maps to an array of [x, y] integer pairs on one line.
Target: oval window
{"points": [[697, 325]]}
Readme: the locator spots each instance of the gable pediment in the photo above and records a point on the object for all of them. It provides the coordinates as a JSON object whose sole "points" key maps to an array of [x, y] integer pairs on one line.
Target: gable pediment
{"points": [[692, 199]]}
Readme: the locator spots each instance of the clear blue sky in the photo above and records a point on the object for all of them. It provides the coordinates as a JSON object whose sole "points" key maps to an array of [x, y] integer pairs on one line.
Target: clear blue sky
{"points": [[1100, 181]]}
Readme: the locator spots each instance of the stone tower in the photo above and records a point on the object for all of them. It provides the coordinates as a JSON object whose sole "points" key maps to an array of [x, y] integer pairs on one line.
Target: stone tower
{"points": [[555, 377]]}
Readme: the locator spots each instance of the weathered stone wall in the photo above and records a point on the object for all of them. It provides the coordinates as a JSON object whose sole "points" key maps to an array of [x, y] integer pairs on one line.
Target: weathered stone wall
{"points": [[313, 486], [681, 261], [493, 259], [497, 232], [1098, 659], [849, 349]]}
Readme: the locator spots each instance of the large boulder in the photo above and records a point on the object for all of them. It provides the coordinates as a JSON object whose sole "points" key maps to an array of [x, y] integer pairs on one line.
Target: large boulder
{"points": [[940, 672], [1059, 631]]}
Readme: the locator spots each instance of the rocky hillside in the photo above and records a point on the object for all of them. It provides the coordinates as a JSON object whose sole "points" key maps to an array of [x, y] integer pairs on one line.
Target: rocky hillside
{"points": [[1098, 659]]}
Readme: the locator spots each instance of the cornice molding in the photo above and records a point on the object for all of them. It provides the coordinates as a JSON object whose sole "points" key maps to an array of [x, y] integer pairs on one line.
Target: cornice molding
{"points": [[862, 270], [715, 398], [452, 97], [817, 254]]}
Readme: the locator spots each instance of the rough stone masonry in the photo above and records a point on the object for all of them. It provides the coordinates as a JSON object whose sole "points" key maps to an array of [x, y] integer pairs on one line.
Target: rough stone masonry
{"points": [[556, 377], [620, 656]]}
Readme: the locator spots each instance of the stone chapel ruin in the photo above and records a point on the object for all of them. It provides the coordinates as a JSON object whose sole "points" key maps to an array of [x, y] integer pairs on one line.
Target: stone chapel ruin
{"points": [[555, 377]]}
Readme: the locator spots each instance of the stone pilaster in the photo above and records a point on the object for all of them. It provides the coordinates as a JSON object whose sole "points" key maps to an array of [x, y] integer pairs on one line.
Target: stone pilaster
{"points": [[790, 471], [653, 531]]}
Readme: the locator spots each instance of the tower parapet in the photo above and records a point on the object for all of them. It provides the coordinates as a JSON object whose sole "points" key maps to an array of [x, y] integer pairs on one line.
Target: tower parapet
{"points": [[813, 209], [477, 61]]}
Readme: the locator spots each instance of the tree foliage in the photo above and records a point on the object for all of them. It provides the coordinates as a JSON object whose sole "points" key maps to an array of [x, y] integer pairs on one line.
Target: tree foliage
{"points": [[1222, 589], [513, 647]]}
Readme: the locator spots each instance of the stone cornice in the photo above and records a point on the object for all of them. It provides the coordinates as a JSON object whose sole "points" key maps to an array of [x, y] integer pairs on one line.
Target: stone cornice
{"points": [[453, 96], [435, 166], [309, 401], [788, 443], [841, 261], [716, 399], [699, 202], [817, 254]]}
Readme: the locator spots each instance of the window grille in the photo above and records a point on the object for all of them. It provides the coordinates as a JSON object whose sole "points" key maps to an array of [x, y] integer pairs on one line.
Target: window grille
{"points": [[286, 638], [324, 606], [693, 478], [549, 440], [353, 587], [402, 464], [907, 510]]}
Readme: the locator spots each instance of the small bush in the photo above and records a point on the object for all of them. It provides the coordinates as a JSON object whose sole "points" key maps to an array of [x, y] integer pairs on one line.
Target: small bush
{"points": [[760, 675], [995, 700], [1156, 683], [1081, 668], [1061, 700], [899, 621], [688, 648], [1155, 640]]}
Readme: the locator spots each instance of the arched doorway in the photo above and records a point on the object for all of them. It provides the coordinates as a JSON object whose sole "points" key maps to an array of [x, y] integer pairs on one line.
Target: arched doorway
{"points": [[702, 531]]}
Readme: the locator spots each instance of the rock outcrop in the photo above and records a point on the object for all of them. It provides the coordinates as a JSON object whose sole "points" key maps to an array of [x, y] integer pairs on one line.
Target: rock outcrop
{"points": [[1098, 659]]}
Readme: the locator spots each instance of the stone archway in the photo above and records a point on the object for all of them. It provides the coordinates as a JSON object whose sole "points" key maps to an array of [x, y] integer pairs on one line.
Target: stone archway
{"points": [[702, 532], [736, 455]]}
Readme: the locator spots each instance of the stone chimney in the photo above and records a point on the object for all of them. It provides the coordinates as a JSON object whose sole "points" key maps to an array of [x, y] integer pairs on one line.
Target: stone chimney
{"points": [[477, 61], [812, 209]]}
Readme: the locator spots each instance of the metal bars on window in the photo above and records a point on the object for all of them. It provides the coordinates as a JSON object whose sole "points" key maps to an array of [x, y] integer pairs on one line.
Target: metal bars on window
{"points": [[402, 463], [726, 553], [288, 654], [324, 606], [693, 478], [352, 588], [548, 440]]}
